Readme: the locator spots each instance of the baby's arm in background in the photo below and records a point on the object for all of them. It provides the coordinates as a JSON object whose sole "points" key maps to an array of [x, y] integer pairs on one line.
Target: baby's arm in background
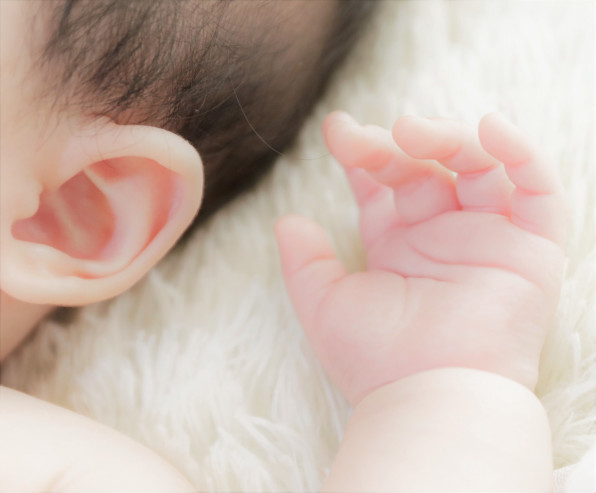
{"points": [[45, 448], [437, 343]]}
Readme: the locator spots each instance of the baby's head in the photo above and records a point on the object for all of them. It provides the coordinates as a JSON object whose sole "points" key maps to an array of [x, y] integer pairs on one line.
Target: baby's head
{"points": [[121, 117]]}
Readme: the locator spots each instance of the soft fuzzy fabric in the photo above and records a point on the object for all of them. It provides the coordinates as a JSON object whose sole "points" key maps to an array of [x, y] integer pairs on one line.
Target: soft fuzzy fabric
{"points": [[204, 360]]}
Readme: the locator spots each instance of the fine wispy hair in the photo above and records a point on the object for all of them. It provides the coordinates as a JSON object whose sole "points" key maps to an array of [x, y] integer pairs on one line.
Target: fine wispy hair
{"points": [[191, 67]]}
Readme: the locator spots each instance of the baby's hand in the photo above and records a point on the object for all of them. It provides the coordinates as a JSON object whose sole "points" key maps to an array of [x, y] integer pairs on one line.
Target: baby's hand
{"points": [[462, 271]]}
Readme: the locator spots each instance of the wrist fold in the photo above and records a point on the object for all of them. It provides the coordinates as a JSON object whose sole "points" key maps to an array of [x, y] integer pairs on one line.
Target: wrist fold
{"points": [[448, 429]]}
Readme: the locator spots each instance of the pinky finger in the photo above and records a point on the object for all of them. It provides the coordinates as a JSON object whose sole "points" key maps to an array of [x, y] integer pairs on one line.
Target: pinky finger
{"points": [[538, 203]]}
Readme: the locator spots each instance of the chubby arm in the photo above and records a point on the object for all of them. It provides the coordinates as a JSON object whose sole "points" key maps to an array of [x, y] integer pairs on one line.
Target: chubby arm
{"points": [[450, 430], [47, 448]]}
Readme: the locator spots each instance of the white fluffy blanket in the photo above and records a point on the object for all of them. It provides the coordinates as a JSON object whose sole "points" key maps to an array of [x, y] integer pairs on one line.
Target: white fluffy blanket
{"points": [[204, 360]]}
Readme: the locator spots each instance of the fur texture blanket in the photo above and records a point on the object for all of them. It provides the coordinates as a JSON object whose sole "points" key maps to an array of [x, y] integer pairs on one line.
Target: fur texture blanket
{"points": [[204, 360]]}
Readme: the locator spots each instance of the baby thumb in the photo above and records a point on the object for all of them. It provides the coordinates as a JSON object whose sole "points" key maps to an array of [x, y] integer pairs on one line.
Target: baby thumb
{"points": [[309, 265]]}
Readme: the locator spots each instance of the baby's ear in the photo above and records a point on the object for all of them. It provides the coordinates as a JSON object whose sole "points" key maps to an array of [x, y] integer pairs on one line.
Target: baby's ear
{"points": [[115, 201]]}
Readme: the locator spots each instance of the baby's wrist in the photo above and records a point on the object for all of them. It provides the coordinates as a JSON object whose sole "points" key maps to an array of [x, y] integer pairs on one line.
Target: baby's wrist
{"points": [[446, 426], [523, 373], [390, 394]]}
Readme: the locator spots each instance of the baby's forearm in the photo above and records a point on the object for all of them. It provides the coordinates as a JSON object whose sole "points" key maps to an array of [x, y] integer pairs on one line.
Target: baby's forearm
{"points": [[46, 448], [451, 429]]}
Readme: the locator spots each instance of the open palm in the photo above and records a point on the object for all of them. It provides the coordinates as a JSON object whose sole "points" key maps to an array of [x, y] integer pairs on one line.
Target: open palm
{"points": [[463, 232]]}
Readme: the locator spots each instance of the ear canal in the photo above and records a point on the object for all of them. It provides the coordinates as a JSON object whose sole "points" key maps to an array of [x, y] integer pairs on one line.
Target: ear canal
{"points": [[111, 209]]}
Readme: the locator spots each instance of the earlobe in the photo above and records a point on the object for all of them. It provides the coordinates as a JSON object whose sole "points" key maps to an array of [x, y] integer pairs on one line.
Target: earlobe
{"points": [[116, 201]]}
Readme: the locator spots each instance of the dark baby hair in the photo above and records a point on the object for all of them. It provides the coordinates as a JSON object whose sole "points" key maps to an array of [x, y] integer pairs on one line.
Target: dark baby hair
{"points": [[234, 95]]}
